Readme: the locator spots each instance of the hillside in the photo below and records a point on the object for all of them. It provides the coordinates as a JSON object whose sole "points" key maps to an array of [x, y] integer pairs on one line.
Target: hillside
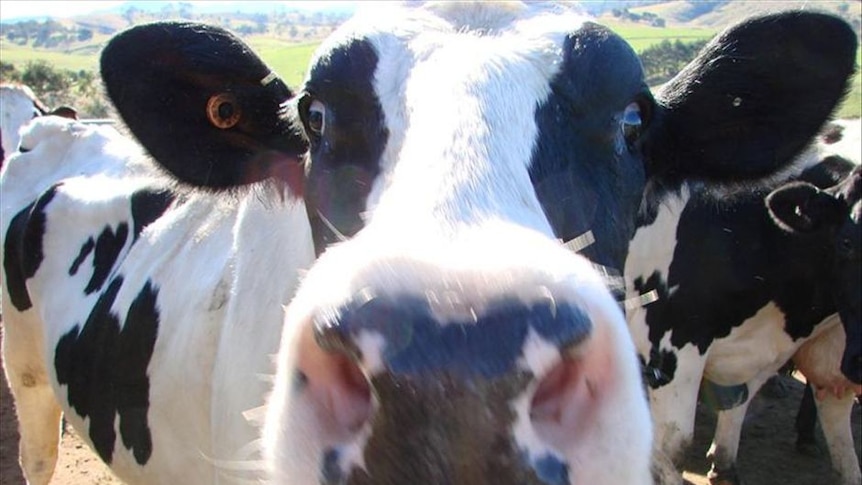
{"points": [[286, 37], [719, 14], [87, 32]]}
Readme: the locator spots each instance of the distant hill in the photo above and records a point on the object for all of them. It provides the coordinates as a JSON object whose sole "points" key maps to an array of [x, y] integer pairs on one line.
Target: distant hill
{"points": [[720, 14], [285, 36], [245, 18]]}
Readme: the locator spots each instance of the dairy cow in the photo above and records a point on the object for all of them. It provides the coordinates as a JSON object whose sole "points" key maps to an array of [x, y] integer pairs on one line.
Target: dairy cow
{"points": [[444, 335], [747, 279], [19, 105], [825, 228], [425, 204], [124, 294]]}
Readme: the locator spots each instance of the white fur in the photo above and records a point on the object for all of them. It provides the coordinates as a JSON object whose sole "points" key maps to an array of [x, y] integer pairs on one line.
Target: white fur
{"points": [[223, 268], [17, 108]]}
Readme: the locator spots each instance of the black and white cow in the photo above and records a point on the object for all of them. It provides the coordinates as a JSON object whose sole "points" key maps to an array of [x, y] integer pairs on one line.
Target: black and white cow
{"points": [[824, 227], [451, 338], [745, 280], [146, 313], [19, 105]]}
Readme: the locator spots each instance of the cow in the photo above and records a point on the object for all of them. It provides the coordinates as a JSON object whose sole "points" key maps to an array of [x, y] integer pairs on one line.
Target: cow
{"points": [[443, 334], [821, 222], [19, 105], [742, 287], [119, 287]]}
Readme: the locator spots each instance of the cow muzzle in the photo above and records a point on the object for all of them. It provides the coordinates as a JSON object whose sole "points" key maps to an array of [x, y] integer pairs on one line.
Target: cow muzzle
{"points": [[453, 400], [454, 365]]}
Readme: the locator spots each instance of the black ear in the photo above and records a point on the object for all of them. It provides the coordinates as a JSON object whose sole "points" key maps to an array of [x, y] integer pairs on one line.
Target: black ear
{"points": [[202, 103], [753, 98], [802, 207]]}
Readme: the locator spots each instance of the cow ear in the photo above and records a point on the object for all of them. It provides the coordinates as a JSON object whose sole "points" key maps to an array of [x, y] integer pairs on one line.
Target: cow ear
{"points": [[202, 104], [802, 207], [754, 97]]}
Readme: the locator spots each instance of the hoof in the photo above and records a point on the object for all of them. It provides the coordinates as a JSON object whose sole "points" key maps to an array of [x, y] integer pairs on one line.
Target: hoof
{"points": [[724, 477]]}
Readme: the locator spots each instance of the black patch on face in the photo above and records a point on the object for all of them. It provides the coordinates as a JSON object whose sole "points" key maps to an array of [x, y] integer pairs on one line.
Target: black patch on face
{"points": [[22, 250], [105, 369], [486, 348], [583, 179], [108, 247], [344, 160], [147, 206]]}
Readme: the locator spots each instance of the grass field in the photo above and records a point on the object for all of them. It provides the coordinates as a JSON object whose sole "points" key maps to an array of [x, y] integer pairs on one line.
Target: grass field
{"points": [[290, 60]]}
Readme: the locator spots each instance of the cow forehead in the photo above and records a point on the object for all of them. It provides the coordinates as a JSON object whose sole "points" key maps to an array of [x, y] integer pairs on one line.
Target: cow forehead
{"points": [[447, 135], [452, 22]]}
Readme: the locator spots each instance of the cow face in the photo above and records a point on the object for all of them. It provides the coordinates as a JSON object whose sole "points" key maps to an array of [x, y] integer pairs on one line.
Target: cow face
{"points": [[452, 339], [833, 216], [448, 337]]}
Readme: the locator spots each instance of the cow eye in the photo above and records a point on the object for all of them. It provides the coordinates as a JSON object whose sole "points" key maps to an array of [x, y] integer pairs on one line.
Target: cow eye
{"points": [[316, 117], [632, 123]]}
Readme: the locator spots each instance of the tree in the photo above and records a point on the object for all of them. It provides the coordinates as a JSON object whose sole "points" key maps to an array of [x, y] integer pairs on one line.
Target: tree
{"points": [[43, 79], [662, 61]]}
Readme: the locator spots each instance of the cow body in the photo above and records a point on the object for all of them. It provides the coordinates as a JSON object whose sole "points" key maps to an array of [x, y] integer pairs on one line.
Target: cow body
{"points": [[115, 345], [738, 296], [18, 105], [444, 335]]}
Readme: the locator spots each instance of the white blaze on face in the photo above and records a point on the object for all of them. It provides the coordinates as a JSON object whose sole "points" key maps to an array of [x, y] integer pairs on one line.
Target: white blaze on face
{"points": [[460, 143]]}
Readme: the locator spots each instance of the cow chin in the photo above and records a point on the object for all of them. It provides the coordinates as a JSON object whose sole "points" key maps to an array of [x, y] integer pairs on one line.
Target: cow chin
{"points": [[439, 362]]}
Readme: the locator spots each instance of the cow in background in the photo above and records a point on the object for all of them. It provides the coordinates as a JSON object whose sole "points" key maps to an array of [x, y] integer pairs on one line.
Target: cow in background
{"points": [[739, 295], [120, 287], [18, 105]]}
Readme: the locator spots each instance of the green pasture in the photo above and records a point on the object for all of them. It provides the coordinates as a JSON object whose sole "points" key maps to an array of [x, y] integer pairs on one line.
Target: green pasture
{"points": [[290, 60], [641, 36]]}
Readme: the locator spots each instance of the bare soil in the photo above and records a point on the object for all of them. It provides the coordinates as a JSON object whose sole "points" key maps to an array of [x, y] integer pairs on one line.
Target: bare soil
{"points": [[767, 454]]}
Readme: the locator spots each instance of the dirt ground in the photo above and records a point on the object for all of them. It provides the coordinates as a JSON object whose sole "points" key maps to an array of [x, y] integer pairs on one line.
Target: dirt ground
{"points": [[767, 453]]}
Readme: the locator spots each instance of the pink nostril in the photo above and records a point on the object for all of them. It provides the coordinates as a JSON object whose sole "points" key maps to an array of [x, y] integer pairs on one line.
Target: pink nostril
{"points": [[567, 399], [555, 390], [351, 394], [337, 386]]}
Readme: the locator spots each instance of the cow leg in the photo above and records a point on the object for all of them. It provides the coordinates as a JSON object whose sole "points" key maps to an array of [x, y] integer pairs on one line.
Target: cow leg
{"points": [[725, 442], [725, 445], [38, 411], [673, 408], [806, 422], [834, 414]]}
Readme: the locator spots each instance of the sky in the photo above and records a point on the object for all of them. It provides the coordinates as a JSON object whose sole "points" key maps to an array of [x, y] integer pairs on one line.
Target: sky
{"points": [[12, 9]]}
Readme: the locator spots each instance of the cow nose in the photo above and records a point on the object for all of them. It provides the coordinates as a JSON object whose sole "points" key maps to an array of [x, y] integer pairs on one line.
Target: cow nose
{"points": [[451, 381]]}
